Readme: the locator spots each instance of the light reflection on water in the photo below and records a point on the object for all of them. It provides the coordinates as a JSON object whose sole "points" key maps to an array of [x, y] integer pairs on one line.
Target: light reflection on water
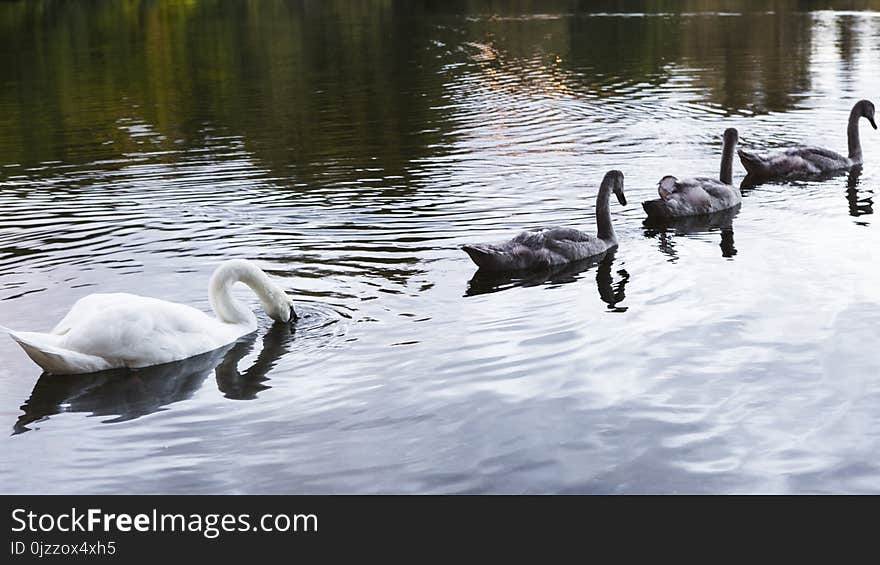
{"points": [[350, 150]]}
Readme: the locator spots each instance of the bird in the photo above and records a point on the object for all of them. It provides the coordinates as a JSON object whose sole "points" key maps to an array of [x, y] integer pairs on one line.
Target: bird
{"points": [[699, 195], [120, 330], [547, 247], [806, 161]]}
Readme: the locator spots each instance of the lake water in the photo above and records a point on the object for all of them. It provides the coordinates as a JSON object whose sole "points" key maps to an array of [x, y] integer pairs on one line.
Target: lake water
{"points": [[350, 149]]}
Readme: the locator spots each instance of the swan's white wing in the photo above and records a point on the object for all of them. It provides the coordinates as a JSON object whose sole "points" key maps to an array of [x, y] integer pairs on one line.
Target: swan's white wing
{"points": [[136, 331], [88, 306]]}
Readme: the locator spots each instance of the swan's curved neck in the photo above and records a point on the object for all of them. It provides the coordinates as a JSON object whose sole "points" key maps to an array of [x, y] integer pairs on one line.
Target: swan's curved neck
{"points": [[603, 212], [852, 135], [726, 175], [227, 308]]}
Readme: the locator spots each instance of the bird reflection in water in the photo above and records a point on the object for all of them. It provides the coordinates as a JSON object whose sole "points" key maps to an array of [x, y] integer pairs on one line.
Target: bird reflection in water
{"points": [[611, 293], [863, 206], [666, 230], [750, 182], [126, 394], [860, 202]]}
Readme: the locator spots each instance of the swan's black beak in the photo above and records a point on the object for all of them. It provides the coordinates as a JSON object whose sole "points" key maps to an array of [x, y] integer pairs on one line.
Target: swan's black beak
{"points": [[621, 198], [293, 316], [871, 119]]}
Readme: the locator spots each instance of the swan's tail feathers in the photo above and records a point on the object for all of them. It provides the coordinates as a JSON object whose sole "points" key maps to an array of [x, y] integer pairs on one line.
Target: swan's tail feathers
{"points": [[44, 350], [753, 164], [656, 208], [483, 255]]}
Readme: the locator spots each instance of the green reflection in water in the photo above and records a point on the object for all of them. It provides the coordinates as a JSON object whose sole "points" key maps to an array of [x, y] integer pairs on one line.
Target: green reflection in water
{"points": [[339, 86]]}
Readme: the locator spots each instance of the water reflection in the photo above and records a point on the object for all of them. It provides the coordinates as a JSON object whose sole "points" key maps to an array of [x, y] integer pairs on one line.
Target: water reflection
{"points": [[286, 80], [766, 74], [130, 394], [750, 182], [859, 205], [847, 40], [860, 202], [245, 385], [276, 81], [351, 147], [667, 230], [611, 293]]}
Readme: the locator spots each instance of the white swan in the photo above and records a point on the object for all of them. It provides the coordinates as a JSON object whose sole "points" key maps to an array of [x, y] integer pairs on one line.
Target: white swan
{"points": [[110, 331]]}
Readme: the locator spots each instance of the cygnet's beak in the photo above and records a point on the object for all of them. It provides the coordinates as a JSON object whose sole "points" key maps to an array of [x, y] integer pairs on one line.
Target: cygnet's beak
{"points": [[621, 198], [871, 119]]}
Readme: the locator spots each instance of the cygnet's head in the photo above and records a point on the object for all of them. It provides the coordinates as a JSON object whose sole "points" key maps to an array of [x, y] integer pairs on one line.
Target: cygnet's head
{"points": [[666, 186], [615, 178], [730, 136], [866, 109]]}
